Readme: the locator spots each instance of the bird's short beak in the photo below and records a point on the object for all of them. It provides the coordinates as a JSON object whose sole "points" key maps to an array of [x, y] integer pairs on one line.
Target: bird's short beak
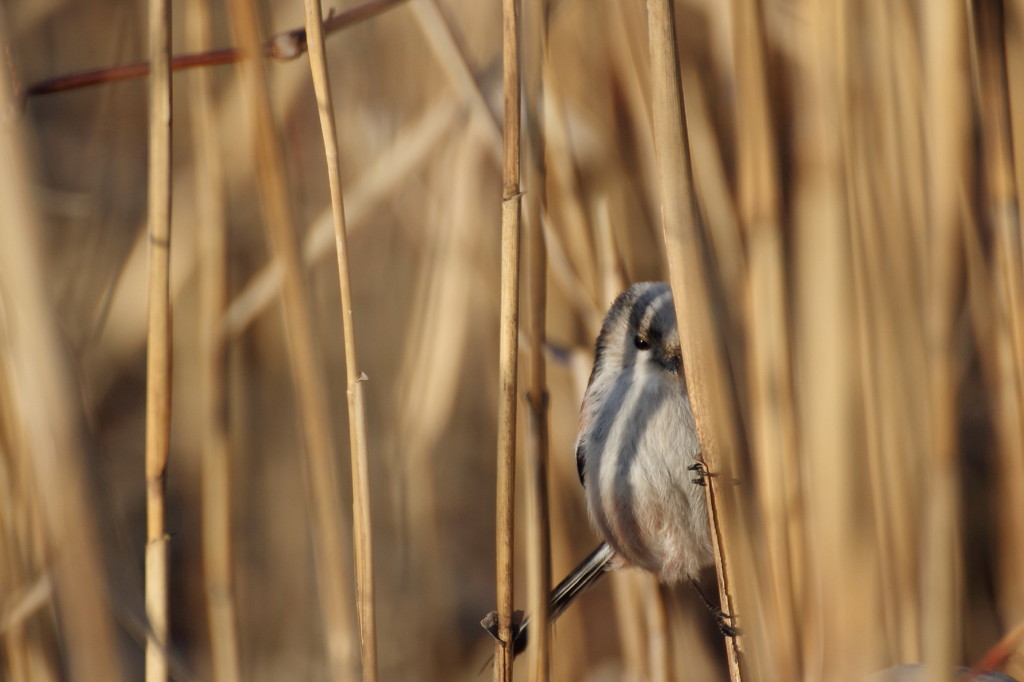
{"points": [[671, 362]]}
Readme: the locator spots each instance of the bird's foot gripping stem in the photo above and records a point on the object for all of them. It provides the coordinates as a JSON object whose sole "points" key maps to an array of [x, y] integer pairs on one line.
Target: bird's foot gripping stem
{"points": [[702, 473], [721, 617]]}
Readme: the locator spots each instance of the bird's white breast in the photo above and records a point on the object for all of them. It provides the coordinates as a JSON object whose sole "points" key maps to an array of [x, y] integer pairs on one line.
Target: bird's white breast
{"points": [[640, 494]]}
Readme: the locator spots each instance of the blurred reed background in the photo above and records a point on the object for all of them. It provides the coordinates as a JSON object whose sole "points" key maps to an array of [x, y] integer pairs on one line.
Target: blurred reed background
{"points": [[855, 175]]}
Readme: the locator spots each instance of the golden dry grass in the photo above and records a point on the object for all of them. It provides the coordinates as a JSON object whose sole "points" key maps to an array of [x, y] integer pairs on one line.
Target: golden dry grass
{"points": [[852, 284]]}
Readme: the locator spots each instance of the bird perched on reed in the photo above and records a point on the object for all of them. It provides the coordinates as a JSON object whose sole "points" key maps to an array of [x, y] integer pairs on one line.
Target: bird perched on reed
{"points": [[638, 454]]}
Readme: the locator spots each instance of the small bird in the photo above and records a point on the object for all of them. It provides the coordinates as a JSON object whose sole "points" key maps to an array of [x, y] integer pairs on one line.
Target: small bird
{"points": [[637, 453]]}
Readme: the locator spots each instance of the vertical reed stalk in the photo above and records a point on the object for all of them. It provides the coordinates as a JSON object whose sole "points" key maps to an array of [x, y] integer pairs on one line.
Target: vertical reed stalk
{"points": [[158, 347], [446, 50], [658, 640], [822, 337], [39, 387], [773, 448], [355, 379], [685, 253], [538, 531], [333, 576], [946, 132], [216, 491], [410, 149], [511, 205]]}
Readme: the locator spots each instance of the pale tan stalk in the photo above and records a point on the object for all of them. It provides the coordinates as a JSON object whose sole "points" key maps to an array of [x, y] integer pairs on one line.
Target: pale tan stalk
{"points": [[902, 376], [685, 254], [38, 383], [158, 344], [773, 447], [511, 204], [866, 282], [627, 588], [823, 343], [412, 148], [946, 135], [658, 640], [439, 35], [328, 531], [609, 269], [216, 493], [567, 221], [714, 195], [362, 527], [564, 275], [434, 363], [538, 530]]}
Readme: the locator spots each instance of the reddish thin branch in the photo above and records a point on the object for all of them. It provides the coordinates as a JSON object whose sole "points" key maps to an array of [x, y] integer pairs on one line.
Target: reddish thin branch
{"points": [[283, 46]]}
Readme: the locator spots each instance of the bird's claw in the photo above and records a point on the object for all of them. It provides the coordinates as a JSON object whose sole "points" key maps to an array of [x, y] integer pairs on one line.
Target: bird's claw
{"points": [[701, 471], [728, 630]]}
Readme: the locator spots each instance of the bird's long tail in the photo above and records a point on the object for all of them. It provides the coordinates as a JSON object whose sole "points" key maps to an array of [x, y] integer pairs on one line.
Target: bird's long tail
{"points": [[579, 579]]}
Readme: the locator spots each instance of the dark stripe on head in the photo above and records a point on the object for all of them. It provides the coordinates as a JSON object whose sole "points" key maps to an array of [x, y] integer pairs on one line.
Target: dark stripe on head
{"points": [[636, 300]]}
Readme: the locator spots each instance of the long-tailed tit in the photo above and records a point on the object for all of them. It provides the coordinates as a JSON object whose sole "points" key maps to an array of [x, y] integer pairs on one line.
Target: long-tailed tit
{"points": [[637, 451]]}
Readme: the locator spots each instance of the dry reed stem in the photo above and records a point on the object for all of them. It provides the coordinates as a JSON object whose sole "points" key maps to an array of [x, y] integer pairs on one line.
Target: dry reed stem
{"points": [[434, 363], [896, 288], [608, 267], [658, 654], [714, 195], [158, 346], [864, 287], [442, 42], [567, 220], [567, 212], [38, 385], [325, 508], [511, 200], [629, 592], [411, 148], [946, 134], [24, 603], [568, 280], [362, 527], [120, 327], [216, 493], [688, 275], [538, 529], [773, 444], [831, 637]]}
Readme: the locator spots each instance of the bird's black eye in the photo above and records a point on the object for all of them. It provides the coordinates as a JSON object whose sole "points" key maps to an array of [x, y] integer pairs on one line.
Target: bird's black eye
{"points": [[641, 343]]}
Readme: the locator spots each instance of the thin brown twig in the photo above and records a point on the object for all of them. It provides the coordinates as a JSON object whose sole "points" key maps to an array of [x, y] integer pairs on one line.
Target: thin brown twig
{"points": [[283, 46], [356, 405]]}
